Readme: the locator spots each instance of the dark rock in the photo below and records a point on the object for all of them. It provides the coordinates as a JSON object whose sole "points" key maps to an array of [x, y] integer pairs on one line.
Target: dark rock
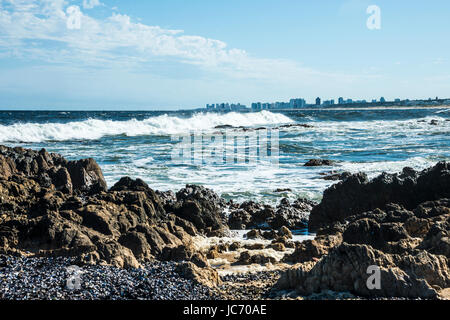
{"points": [[319, 162], [337, 176], [345, 268], [201, 206], [86, 176], [357, 194]]}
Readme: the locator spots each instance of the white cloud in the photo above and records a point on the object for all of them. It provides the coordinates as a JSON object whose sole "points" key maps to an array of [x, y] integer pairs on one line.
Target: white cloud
{"points": [[33, 29], [90, 4]]}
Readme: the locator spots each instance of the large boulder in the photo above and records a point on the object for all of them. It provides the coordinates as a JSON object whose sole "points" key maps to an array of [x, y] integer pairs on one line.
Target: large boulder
{"points": [[82, 176], [346, 269], [201, 206], [86, 176], [357, 194]]}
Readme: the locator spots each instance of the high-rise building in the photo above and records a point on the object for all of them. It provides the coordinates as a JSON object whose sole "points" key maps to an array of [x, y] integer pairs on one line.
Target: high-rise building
{"points": [[341, 100], [318, 101], [382, 100]]}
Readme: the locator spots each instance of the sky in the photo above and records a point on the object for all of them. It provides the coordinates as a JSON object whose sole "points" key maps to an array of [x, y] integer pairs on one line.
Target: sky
{"points": [[172, 54]]}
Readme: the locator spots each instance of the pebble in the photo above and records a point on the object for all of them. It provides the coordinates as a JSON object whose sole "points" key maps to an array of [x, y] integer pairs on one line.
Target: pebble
{"points": [[24, 278]]}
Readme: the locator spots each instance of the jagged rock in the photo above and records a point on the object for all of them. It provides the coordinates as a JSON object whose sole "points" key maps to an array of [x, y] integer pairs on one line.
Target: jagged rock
{"points": [[357, 194], [368, 231], [137, 243], [254, 215], [206, 276], [184, 253], [201, 206], [86, 176], [239, 219], [345, 268], [312, 250], [53, 207]]}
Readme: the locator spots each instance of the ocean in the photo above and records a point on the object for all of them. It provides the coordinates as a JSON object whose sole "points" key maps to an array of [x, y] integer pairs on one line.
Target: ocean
{"points": [[140, 144]]}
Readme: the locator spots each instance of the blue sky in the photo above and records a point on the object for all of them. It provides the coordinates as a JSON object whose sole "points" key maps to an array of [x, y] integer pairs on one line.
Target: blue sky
{"points": [[152, 54]]}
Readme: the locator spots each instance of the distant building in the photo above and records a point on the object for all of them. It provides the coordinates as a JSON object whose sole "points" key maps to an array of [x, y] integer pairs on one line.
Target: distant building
{"points": [[382, 100], [297, 103], [318, 101], [341, 100]]}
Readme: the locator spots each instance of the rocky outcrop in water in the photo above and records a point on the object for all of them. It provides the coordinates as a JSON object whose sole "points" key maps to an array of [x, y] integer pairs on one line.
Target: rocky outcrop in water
{"points": [[250, 215], [319, 163], [357, 194], [402, 226]]}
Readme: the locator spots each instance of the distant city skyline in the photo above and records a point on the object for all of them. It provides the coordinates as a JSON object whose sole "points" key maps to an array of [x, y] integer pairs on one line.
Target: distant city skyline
{"points": [[177, 54], [299, 103]]}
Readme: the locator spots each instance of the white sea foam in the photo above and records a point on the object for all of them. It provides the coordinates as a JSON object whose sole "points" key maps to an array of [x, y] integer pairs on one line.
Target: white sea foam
{"points": [[93, 129]]}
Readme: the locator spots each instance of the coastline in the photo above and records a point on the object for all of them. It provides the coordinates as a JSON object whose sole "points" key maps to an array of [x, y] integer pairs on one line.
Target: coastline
{"points": [[57, 208]]}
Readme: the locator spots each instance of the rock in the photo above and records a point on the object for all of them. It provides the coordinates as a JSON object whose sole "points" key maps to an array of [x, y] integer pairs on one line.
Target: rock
{"points": [[239, 220], [184, 253], [62, 181], [250, 215], [7, 167], [246, 258], [137, 243], [254, 234], [277, 246], [285, 232], [357, 194], [319, 162], [53, 207], [290, 216], [280, 190], [409, 246], [312, 250], [205, 276], [234, 246], [86, 176], [201, 206], [344, 269], [368, 231], [333, 176], [254, 246]]}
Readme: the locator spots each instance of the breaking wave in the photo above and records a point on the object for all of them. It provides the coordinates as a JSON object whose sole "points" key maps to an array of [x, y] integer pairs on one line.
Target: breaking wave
{"points": [[93, 129]]}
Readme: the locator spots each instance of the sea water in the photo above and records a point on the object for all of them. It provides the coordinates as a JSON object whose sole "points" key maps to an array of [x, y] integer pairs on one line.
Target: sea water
{"points": [[139, 145]]}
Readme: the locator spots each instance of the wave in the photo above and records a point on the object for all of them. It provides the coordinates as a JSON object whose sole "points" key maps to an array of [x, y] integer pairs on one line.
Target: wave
{"points": [[93, 129]]}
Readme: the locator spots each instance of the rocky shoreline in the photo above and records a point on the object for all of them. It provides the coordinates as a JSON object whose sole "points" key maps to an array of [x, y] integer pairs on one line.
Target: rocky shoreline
{"points": [[136, 243]]}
